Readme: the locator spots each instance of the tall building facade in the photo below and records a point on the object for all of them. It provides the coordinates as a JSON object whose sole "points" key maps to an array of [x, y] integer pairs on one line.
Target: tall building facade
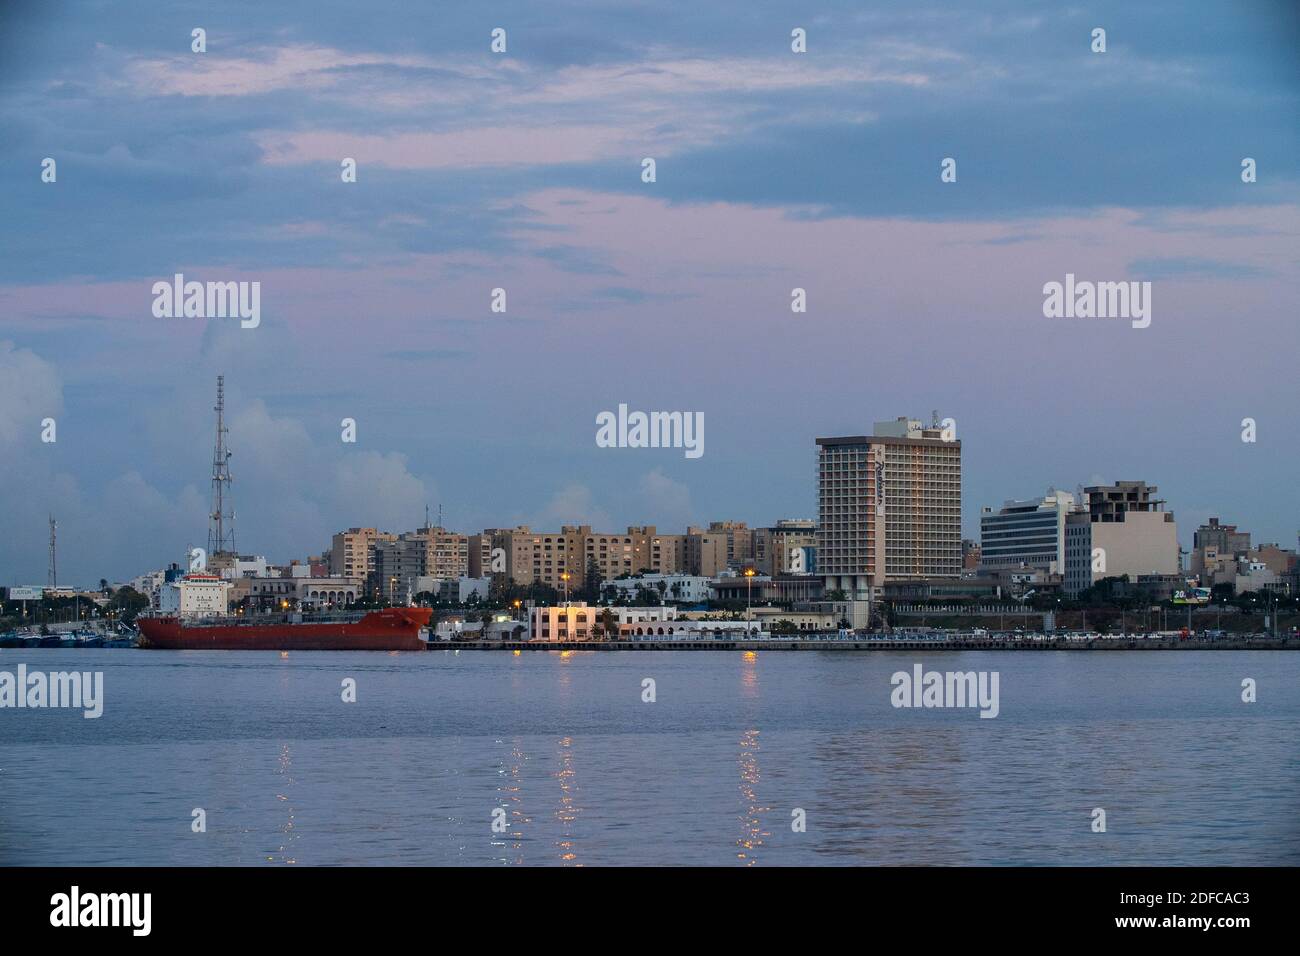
{"points": [[398, 562], [889, 507], [722, 545], [789, 547], [352, 552], [1120, 529], [1026, 534]]}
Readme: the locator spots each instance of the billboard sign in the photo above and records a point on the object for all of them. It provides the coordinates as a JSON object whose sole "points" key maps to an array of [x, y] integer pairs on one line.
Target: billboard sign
{"points": [[26, 594], [1192, 596]]}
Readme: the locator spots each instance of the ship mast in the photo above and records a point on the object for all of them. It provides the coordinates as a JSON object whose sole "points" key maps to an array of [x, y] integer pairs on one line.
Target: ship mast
{"points": [[221, 521]]}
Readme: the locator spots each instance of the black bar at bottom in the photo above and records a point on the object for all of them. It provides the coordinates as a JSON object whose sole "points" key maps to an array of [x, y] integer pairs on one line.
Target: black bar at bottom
{"points": [[335, 905]]}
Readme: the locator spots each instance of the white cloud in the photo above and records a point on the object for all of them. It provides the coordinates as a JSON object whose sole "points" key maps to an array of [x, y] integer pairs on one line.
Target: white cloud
{"points": [[573, 504], [667, 501], [30, 391]]}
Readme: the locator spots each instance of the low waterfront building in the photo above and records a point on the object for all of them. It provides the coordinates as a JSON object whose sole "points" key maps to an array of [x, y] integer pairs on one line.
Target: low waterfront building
{"points": [[578, 621], [460, 590], [761, 589], [334, 591], [682, 588], [196, 595], [856, 614], [770, 617]]}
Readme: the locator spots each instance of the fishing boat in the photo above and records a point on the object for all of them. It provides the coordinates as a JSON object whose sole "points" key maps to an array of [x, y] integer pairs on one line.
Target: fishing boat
{"points": [[89, 638]]}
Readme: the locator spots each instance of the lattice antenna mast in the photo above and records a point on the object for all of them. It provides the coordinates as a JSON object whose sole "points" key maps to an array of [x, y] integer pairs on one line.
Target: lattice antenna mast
{"points": [[221, 522], [53, 576]]}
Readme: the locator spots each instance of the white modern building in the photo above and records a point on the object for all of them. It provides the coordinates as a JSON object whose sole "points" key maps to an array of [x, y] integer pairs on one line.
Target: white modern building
{"points": [[453, 590], [682, 588], [195, 595], [327, 592], [577, 621], [1026, 534]]}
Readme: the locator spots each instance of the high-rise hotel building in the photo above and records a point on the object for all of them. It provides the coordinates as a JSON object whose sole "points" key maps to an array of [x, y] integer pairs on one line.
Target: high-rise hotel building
{"points": [[889, 507]]}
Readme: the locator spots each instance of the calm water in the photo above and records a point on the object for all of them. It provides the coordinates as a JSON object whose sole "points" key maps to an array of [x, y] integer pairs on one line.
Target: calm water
{"points": [[708, 774]]}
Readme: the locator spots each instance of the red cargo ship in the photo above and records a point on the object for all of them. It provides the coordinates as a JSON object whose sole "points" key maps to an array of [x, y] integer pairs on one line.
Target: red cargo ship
{"points": [[389, 629]]}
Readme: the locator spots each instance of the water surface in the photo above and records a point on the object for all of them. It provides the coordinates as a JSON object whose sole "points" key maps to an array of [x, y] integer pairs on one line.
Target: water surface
{"points": [[564, 750]]}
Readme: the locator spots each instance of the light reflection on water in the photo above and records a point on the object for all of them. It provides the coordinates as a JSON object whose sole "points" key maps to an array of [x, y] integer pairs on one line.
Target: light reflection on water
{"points": [[589, 774]]}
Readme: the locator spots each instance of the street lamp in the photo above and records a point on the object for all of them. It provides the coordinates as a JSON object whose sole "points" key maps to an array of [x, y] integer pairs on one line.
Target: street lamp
{"points": [[749, 592], [564, 576]]}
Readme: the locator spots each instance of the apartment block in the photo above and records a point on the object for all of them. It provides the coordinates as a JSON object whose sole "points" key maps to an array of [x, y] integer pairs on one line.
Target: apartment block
{"points": [[722, 545], [546, 557], [1120, 529], [789, 547], [352, 553]]}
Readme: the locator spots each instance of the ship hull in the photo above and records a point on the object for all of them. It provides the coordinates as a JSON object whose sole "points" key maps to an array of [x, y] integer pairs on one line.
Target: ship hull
{"points": [[390, 629]]}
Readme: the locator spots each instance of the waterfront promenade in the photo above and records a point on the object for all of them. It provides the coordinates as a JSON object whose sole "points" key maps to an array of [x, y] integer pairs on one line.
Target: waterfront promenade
{"points": [[835, 642]]}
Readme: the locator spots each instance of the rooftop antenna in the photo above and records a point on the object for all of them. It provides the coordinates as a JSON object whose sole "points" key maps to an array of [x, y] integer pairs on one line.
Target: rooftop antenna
{"points": [[220, 538], [53, 576]]}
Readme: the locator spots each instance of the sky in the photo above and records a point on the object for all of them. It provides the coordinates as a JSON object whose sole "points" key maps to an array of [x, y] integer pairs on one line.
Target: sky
{"points": [[522, 170]]}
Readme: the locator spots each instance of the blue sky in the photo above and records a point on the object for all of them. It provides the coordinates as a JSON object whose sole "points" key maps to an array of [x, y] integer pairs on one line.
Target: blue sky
{"points": [[522, 171]]}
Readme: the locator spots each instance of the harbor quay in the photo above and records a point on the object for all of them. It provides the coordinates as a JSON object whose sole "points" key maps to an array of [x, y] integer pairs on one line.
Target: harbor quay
{"points": [[938, 642]]}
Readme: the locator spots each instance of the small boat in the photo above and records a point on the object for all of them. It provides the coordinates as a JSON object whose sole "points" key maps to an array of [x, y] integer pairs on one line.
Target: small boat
{"points": [[11, 639], [48, 640], [30, 638], [119, 642], [68, 639], [89, 638]]}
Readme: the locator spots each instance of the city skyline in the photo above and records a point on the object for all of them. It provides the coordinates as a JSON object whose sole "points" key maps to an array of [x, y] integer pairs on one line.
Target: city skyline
{"points": [[775, 171]]}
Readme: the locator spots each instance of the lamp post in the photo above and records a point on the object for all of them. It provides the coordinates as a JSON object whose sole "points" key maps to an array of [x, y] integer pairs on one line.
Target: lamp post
{"points": [[564, 576], [749, 593]]}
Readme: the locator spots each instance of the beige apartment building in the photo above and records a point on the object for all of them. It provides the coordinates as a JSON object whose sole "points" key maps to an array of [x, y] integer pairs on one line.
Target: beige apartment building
{"points": [[1120, 529], [722, 545], [446, 552], [480, 555], [776, 548], [545, 557], [889, 507], [399, 562], [352, 554]]}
